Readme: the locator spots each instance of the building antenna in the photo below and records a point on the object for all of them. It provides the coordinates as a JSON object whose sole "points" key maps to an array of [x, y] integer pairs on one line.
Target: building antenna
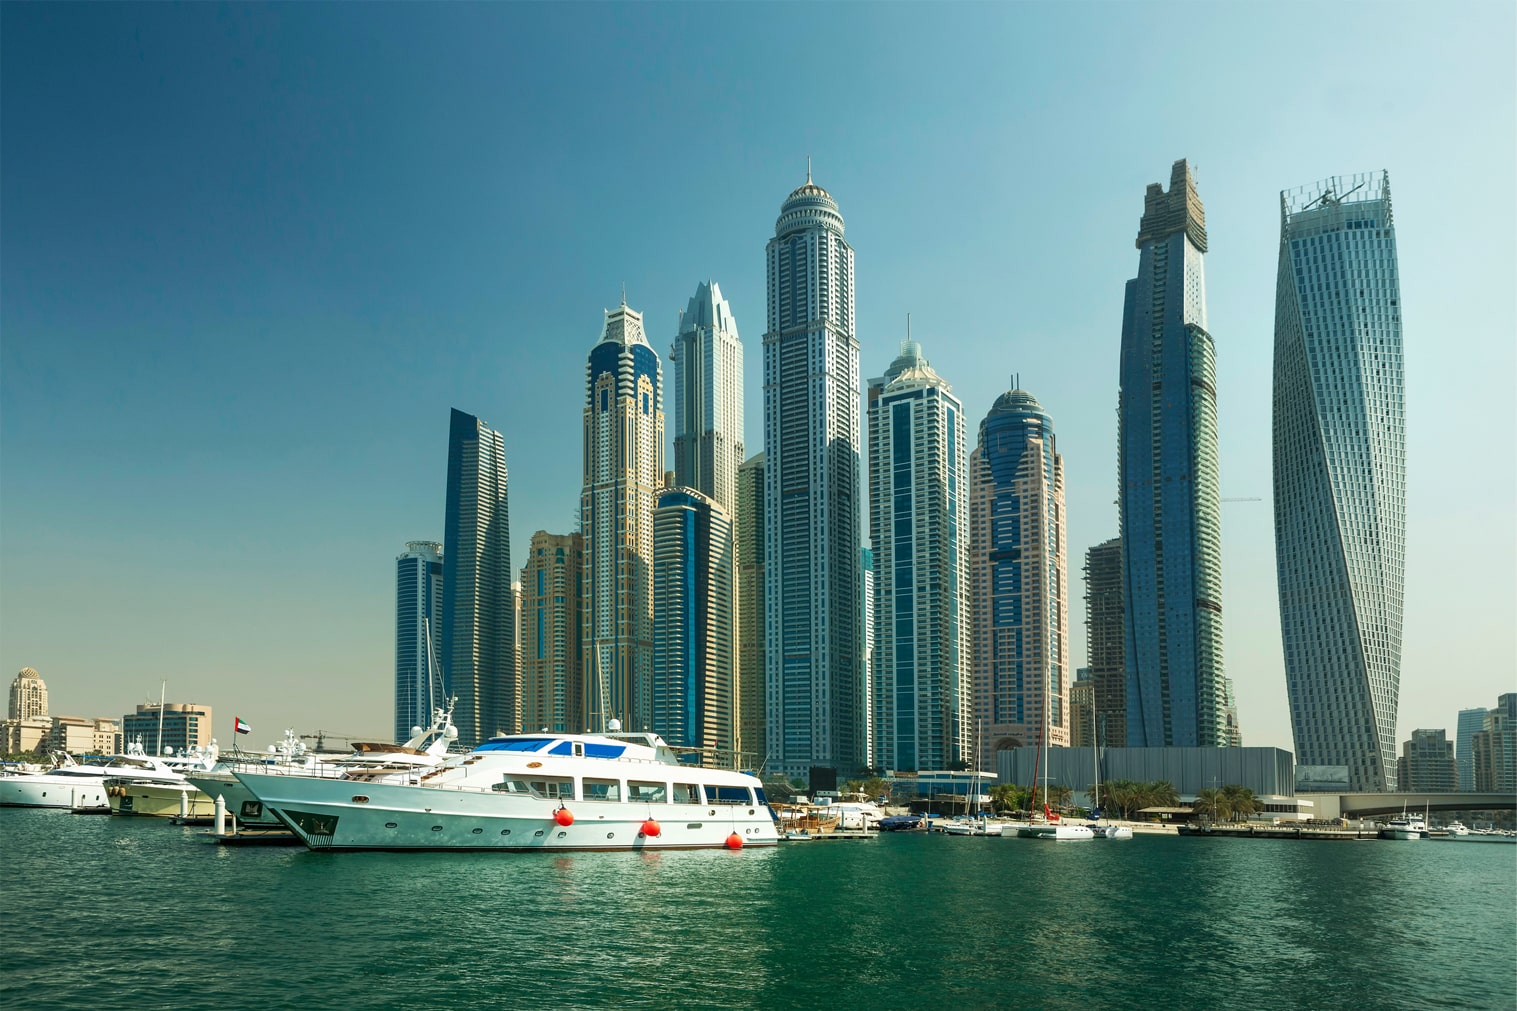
{"points": [[624, 294], [908, 326], [808, 170]]}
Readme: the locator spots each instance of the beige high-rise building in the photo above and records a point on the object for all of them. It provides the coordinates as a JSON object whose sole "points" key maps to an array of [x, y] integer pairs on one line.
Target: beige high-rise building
{"points": [[1020, 580], [552, 617], [748, 527], [28, 695], [623, 474]]}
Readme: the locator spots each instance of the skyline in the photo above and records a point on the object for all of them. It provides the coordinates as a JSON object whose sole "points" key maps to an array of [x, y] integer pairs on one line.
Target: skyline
{"points": [[196, 246]]}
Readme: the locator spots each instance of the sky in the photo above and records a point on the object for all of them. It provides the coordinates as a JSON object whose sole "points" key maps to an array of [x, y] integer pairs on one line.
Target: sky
{"points": [[250, 256]]}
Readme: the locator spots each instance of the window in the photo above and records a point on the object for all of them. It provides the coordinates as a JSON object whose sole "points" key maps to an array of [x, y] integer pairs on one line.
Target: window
{"points": [[686, 793], [728, 795], [648, 793], [603, 789], [549, 787]]}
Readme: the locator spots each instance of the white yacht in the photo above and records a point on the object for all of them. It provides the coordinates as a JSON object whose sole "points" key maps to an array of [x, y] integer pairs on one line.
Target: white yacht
{"points": [[139, 784], [544, 791], [1404, 827], [401, 763], [67, 785]]}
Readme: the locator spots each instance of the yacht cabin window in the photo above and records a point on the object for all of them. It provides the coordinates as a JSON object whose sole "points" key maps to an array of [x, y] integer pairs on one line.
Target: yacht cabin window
{"points": [[602, 789], [547, 787], [687, 793], [728, 795], [649, 793]]}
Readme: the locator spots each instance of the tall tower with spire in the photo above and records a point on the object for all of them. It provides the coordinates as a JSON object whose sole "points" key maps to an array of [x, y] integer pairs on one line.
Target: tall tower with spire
{"points": [[919, 517], [623, 473], [1177, 693], [813, 652]]}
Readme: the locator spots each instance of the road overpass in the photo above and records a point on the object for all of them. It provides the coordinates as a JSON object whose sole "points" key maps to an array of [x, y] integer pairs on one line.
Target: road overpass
{"points": [[1369, 805]]}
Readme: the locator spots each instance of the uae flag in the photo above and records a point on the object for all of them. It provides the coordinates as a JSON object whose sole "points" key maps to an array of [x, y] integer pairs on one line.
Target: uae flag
{"points": [[241, 726]]}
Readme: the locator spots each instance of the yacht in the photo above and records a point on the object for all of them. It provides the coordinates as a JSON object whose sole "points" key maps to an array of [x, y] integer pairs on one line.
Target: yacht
{"points": [[1404, 827], [67, 785], [143, 785], [544, 791], [368, 761], [966, 825]]}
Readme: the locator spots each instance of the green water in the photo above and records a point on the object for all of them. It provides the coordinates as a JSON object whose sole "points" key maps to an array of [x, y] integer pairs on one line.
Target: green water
{"points": [[99, 912]]}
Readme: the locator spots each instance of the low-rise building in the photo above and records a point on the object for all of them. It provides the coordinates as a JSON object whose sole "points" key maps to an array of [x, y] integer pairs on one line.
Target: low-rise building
{"points": [[182, 725]]}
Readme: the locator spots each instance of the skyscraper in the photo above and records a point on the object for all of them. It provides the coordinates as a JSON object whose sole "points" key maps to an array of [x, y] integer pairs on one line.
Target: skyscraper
{"points": [[693, 687], [919, 517], [28, 698], [418, 630], [708, 453], [1495, 747], [748, 526], [1340, 474], [1471, 722], [552, 620], [1104, 639], [624, 470], [1020, 577], [708, 397], [867, 633], [811, 491], [478, 631], [1177, 693]]}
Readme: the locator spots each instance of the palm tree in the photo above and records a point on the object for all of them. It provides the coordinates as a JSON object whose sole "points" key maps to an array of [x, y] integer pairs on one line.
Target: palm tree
{"points": [[1211, 804], [1123, 795], [1006, 797], [1161, 793], [1240, 802]]}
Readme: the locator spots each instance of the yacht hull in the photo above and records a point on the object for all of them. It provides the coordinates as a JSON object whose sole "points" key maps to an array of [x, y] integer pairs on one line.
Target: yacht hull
{"points": [[240, 802], [160, 800], [43, 790], [344, 815], [1057, 833]]}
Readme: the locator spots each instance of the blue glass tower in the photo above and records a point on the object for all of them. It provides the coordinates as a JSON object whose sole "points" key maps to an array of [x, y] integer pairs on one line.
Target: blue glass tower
{"points": [[1177, 693], [418, 624], [478, 614], [1340, 474]]}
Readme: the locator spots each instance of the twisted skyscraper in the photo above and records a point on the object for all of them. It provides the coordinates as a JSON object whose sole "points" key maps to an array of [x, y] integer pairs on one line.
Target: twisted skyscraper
{"points": [[1177, 693], [813, 652], [1340, 474]]}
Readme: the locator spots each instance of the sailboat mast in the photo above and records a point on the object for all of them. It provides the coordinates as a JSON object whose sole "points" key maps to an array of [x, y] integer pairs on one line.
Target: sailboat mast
{"points": [[163, 687]]}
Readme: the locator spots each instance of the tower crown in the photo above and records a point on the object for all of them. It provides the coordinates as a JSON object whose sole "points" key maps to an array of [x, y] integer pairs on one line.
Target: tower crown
{"points": [[808, 206], [1178, 210]]}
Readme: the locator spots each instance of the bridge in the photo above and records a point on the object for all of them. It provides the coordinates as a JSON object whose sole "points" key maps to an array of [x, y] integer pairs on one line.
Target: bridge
{"points": [[1369, 805]]}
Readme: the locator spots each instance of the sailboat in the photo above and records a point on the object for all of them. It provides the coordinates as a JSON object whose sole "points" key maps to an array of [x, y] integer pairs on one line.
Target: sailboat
{"points": [[1051, 827], [1100, 830]]}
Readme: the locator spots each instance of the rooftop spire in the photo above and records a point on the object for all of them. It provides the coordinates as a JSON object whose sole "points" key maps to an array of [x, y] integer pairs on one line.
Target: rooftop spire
{"points": [[808, 170]]}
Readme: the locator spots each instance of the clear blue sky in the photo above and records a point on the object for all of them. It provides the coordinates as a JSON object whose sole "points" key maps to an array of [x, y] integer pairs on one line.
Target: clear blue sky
{"points": [[250, 256]]}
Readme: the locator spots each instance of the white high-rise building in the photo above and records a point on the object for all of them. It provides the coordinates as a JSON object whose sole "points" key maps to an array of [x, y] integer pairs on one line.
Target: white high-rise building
{"points": [[708, 397], [919, 519], [1340, 474], [813, 651], [418, 631], [624, 471], [708, 452]]}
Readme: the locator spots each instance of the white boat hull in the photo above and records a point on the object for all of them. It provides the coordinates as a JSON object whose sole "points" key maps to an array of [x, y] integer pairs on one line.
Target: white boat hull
{"points": [[344, 815], [77, 793], [240, 803], [1057, 833], [1114, 832]]}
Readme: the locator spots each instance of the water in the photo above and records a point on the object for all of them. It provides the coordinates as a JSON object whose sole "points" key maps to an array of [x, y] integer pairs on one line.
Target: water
{"points": [[100, 912]]}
